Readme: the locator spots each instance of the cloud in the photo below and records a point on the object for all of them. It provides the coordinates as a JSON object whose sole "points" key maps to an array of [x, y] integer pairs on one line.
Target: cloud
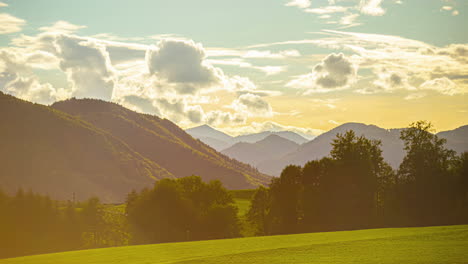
{"points": [[257, 127], [415, 96], [29, 88], [442, 85], [349, 20], [327, 10], [181, 62], [252, 105], [10, 24], [371, 7], [266, 54], [388, 81], [18, 79], [299, 3], [62, 27], [217, 118], [335, 72], [140, 104], [87, 65], [3, 4]]}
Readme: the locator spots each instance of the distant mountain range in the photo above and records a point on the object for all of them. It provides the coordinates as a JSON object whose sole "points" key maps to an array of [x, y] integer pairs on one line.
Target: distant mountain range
{"points": [[221, 141], [270, 148], [259, 154], [91, 147]]}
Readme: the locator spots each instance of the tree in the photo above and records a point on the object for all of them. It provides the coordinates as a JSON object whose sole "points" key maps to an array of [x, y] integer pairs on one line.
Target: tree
{"points": [[350, 186], [259, 211], [182, 209], [285, 193], [424, 176]]}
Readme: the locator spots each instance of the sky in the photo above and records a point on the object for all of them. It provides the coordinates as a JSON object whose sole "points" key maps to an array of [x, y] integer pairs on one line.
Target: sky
{"points": [[245, 66]]}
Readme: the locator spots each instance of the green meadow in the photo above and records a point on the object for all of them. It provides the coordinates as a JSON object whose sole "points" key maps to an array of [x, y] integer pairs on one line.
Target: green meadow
{"points": [[445, 244]]}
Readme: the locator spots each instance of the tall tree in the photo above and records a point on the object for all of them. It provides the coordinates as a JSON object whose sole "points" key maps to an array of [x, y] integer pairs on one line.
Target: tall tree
{"points": [[285, 194], [424, 175]]}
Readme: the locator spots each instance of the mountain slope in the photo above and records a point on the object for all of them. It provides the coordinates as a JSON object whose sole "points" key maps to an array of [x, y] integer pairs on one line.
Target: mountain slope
{"points": [[320, 147], [51, 152], [457, 139], [220, 141], [163, 142], [212, 137], [392, 146], [252, 138], [272, 147]]}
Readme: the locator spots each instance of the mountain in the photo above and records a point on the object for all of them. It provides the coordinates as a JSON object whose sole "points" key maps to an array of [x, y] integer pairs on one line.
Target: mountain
{"points": [[220, 141], [271, 147], [392, 146], [91, 147], [212, 137], [51, 152], [162, 141], [320, 147], [457, 139], [252, 138]]}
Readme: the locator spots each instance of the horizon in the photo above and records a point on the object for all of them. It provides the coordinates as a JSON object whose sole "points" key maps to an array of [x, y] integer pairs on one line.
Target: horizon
{"points": [[328, 65]]}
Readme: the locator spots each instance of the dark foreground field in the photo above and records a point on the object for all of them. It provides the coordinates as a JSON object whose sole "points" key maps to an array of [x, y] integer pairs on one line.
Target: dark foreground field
{"points": [[446, 244]]}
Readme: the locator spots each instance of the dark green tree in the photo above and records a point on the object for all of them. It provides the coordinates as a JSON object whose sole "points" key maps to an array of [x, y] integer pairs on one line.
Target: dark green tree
{"points": [[425, 178]]}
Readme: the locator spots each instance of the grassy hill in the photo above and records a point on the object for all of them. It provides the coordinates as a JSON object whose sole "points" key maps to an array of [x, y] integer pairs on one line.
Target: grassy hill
{"points": [[446, 244]]}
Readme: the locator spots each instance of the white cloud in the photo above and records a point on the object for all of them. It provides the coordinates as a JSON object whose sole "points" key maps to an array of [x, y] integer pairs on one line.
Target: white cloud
{"points": [[62, 27], [252, 105], [180, 61], [299, 3], [268, 70], [349, 20], [10, 24], [3, 4], [388, 81], [18, 79], [257, 127], [372, 7], [335, 72], [217, 118], [415, 96], [331, 9], [87, 65], [442, 85], [270, 55], [29, 88]]}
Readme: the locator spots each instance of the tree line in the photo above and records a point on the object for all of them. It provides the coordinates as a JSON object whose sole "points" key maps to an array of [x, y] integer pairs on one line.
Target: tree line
{"points": [[34, 224], [354, 188], [173, 210]]}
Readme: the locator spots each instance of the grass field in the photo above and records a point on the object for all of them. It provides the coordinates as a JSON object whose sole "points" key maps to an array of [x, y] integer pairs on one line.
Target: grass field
{"points": [[447, 244]]}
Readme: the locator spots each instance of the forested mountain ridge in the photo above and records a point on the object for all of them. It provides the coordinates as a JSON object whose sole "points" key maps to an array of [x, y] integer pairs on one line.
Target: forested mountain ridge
{"points": [[54, 153], [319, 147], [162, 141], [102, 149]]}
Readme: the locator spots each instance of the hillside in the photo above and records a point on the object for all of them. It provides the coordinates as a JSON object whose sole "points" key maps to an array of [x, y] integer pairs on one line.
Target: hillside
{"points": [[210, 136], [272, 147], [444, 244], [163, 142], [392, 146], [320, 147], [221, 141], [51, 152], [457, 139]]}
